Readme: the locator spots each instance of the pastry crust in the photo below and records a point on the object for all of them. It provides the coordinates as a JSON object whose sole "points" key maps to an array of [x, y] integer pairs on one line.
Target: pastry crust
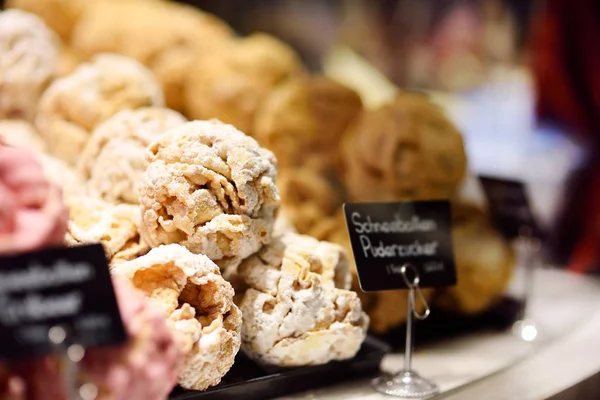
{"points": [[21, 134], [210, 188], [29, 62], [114, 158], [297, 310], [114, 226], [198, 302], [302, 121], [62, 175], [232, 83], [406, 150], [74, 105], [60, 15], [130, 28]]}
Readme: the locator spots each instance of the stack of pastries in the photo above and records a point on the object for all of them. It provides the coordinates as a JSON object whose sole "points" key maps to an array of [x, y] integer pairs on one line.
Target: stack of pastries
{"points": [[212, 168]]}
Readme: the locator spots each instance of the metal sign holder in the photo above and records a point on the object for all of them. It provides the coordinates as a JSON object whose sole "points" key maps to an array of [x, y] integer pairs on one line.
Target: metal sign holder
{"points": [[407, 383]]}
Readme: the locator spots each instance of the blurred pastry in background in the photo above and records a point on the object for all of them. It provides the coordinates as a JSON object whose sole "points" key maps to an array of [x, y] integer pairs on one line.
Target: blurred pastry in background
{"points": [[307, 197], [166, 37], [232, 83], [74, 105], [303, 120], [30, 60], [63, 175], [21, 134], [406, 150], [114, 159]]}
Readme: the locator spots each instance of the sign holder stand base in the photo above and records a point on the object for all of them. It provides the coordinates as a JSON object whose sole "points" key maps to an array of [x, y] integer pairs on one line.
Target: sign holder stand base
{"points": [[407, 383]]}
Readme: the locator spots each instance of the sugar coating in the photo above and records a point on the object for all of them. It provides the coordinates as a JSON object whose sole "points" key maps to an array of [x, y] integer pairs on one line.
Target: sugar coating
{"points": [[93, 220], [210, 188], [21, 134], [231, 84], [75, 104], [297, 310], [114, 159], [405, 150], [29, 62], [198, 302]]}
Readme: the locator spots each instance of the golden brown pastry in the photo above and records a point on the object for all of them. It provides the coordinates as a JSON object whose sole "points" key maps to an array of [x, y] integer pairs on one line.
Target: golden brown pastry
{"points": [[405, 150], [302, 121], [60, 15], [307, 197], [28, 62], [198, 302], [114, 159], [164, 36], [232, 83], [297, 310], [484, 263], [114, 226], [210, 188], [74, 105]]}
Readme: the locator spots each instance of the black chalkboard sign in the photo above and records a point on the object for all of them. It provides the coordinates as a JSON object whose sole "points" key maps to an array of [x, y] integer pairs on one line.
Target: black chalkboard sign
{"points": [[509, 207], [385, 236], [69, 287]]}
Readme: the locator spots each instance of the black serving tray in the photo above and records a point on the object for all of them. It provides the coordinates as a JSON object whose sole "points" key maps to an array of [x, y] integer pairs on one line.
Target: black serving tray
{"points": [[251, 381]]}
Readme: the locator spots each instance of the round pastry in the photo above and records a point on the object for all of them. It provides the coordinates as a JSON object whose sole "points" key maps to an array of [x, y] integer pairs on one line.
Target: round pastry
{"points": [[114, 226], [62, 175], [32, 211], [302, 121], [484, 263], [283, 224], [29, 62], [231, 84], [21, 134], [164, 36], [59, 15], [307, 197], [114, 158], [75, 104], [297, 310], [210, 188], [198, 302], [405, 150]]}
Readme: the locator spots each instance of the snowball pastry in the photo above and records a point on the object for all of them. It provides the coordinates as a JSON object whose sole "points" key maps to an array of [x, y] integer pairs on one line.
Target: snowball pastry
{"points": [[114, 159], [198, 302], [75, 104], [29, 61], [210, 188], [406, 150], [297, 309]]}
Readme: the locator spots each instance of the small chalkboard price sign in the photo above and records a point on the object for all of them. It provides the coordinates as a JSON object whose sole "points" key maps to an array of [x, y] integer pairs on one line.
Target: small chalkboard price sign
{"points": [[386, 236], [66, 287], [509, 207]]}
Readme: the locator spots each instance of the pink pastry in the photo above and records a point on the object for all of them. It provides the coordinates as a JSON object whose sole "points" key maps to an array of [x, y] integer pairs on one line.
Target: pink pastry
{"points": [[32, 212]]}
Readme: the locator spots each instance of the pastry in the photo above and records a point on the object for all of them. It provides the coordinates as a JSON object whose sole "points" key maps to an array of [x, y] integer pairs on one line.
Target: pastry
{"points": [[484, 263], [114, 158], [29, 62], [62, 175], [74, 105], [307, 197], [32, 211], [164, 36], [21, 134], [297, 309], [114, 226], [406, 150], [231, 84], [198, 302], [302, 121], [283, 224], [60, 15], [210, 188]]}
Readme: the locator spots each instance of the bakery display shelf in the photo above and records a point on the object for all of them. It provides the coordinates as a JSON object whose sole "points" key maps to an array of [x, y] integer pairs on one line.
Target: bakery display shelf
{"points": [[443, 325], [250, 381]]}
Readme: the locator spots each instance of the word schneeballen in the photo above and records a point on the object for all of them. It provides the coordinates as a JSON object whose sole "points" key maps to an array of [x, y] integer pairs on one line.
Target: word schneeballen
{"points": [[34, 306], [365, 226]]}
